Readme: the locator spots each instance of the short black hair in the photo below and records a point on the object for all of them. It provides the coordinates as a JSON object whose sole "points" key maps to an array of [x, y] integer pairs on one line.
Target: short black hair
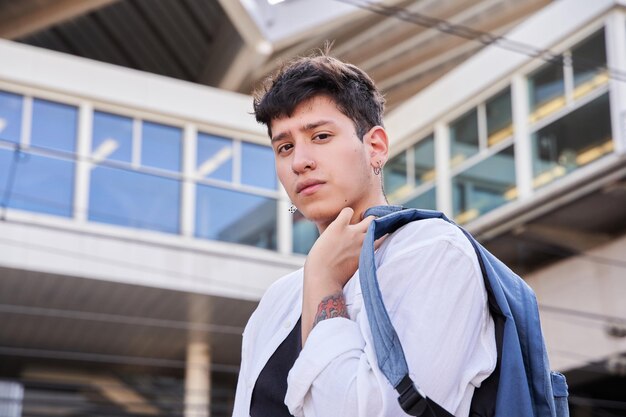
{"points": [[352, 90]]}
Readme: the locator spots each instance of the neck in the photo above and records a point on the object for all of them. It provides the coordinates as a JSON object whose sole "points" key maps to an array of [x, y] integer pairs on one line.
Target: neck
{"points": [[358, 212]]}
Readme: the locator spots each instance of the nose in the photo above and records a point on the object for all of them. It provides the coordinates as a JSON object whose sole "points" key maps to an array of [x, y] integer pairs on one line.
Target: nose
{"points": [[303, 160]]}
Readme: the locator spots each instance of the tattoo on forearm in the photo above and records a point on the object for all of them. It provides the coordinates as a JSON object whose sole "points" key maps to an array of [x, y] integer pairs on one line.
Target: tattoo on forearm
{"points": [[331, 306]]}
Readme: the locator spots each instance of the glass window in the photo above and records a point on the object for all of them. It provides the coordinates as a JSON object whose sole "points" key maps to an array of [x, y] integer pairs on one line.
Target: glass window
{"points": [[10, 117], [257, 166], [135, 199], [112, 137], [485, 186], [499, 117], [54, 125], [546, 91], [214, 157], [395, 175], [464, 137], [589, 64], [40, 184], [161, 146], [425, 200], [304, 234], [424, 160], [573, 141], [233, 216]]}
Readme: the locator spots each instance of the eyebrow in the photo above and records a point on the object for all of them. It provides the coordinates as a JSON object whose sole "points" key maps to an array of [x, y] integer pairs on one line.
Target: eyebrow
{"points": [[306, 128]]}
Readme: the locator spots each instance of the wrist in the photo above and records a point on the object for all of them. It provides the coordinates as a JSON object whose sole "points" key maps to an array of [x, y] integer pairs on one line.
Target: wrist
{"points": [[331, 306], [321, 277]]}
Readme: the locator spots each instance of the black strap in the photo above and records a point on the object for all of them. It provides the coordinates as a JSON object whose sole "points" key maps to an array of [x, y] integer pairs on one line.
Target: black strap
{"points": [[414, 403]]}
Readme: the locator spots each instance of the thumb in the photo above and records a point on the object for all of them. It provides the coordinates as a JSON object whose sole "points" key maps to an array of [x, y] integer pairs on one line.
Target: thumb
{"points": [[344, 216]]}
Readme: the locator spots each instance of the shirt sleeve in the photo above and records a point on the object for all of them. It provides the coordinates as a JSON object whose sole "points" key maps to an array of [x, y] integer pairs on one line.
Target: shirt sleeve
{"points": [[435, 296], [240, 397]]}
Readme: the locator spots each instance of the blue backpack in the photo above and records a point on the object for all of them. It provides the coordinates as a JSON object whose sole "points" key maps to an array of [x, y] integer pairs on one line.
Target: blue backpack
{"points": [[521, 384]]}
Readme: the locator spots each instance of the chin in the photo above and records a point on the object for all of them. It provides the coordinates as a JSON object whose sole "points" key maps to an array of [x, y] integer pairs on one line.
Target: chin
{"points": [[320, 215]]}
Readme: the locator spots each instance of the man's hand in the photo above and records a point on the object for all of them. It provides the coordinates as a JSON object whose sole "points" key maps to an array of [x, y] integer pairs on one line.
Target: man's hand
{"points": [[332, 261]]}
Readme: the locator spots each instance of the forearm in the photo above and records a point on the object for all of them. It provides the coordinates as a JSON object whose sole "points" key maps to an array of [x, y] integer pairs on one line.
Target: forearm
{"points": [[321, 300], [332, 260]]}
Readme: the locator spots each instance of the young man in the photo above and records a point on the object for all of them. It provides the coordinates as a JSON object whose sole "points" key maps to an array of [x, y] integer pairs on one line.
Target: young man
{"points": [[307, 350]]}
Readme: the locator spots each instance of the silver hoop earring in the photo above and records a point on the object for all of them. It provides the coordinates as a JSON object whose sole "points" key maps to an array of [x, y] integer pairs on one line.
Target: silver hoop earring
{"points": [[378, 168], [292, 208]]}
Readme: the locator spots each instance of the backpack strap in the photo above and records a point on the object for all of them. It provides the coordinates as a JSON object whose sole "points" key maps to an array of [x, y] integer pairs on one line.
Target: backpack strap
{"points": [[415, 403], [391, 359]]}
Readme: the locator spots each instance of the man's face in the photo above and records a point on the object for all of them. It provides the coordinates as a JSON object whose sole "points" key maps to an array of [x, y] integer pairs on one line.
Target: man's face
{"points": [[321, 162]]}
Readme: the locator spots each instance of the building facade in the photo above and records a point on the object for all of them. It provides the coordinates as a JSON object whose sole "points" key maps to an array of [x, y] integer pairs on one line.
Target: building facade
{"points": [[141, 219]]}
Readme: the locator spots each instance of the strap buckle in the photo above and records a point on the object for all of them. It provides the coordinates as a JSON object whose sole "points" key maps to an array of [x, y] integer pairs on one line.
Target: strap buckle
{"points": [[411, 399]]}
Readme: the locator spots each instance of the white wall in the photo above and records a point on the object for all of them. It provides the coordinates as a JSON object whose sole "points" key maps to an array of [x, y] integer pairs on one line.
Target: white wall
{"points": [[593, 285], [139, 257], [74, 76]]}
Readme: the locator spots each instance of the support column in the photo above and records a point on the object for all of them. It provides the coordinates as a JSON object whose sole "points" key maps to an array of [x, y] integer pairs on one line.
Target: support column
{"points": [[615, 35], [443, 179], [523, 146], [188, 200], [83, 166], [198, 379]]}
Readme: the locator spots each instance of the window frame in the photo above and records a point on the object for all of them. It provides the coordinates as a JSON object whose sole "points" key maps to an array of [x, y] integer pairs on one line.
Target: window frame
{"points": [[414, 190]]}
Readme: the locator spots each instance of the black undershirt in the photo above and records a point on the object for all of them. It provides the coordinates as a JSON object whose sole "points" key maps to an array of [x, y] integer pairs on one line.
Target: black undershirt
{"points": [[268, 396]]}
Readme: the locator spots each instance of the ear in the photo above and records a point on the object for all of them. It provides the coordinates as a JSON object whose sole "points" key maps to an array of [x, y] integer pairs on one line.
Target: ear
{"points": [[377, 145]]}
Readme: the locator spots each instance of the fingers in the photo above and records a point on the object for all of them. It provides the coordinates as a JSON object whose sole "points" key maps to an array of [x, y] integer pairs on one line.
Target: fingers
{"points": [[345, 217], [379, 241], [346, 213], [366, 221], [364, 224]]}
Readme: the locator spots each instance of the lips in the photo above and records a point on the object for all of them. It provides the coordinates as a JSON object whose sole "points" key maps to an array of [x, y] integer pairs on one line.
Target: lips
{"points": [[308, 186]]}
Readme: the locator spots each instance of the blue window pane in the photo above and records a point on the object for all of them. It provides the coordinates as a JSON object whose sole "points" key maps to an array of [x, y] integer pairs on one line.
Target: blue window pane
{"points": [[112, 137], [232, 216], [395, 176], [10, 117], [160, 146], [257, 166], [40, 184], [134, 199], [304, 234], [546, 90], [424, 156], [499, 112], [485, 186], [575, 140], [589, 64], [464, 137], [425, 200], [54, 125], [215, 157]]}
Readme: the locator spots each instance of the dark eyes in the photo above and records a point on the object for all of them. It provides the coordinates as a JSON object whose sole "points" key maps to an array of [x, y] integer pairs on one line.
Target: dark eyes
{"points": [[286, 147]]}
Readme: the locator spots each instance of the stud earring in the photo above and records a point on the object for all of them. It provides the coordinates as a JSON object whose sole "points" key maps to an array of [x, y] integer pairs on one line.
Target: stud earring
{"points": [[292, 208]]}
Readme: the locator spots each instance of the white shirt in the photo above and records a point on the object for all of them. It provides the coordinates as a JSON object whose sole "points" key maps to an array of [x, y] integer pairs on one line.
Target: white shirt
{"points": [[434, 292]]}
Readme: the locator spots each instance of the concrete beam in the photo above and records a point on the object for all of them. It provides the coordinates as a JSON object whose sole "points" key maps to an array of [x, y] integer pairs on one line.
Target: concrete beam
{"points": [[576, 240], [109, 386], [243, 22], [26, 17], [232, 60]]}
